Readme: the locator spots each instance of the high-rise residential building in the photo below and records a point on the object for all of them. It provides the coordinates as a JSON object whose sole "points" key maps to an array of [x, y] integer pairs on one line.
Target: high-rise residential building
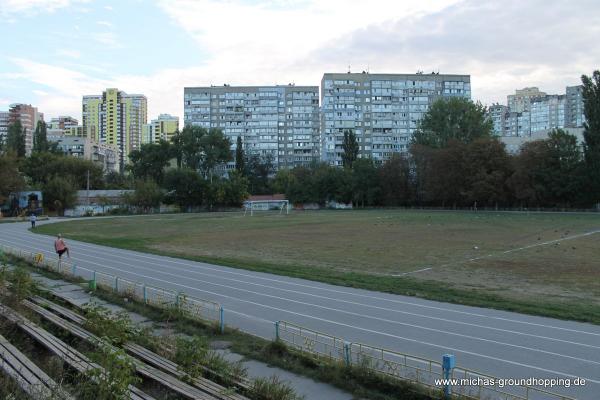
{"points": [[162, 128], [529, 110], [547, 112], [281, 122], [499, 113], [521, 100], [4, 122], [383, 110], [62, 122], [29, 116], [574, 117], [115, 118], [65, 125]]}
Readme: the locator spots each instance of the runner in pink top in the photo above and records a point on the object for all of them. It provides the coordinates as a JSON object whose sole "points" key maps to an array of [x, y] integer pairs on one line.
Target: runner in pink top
{"points": [[61, 247]]}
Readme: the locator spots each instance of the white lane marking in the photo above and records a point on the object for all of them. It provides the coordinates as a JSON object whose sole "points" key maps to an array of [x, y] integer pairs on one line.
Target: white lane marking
{"points": [[358, 315], [411, 272], [199, 265], [371, 306], [520, 248]]}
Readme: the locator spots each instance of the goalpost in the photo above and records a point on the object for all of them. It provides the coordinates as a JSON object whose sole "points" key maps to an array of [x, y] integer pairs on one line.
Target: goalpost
{"points": [[266, 205]]}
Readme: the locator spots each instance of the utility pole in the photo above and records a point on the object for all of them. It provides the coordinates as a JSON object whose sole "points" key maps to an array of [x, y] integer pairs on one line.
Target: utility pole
{"points": [[88, 187]]}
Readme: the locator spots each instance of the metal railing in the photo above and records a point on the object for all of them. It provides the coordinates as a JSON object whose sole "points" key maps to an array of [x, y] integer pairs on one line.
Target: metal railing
{"points": [[312, 343], [191, 307], [403, 366]]}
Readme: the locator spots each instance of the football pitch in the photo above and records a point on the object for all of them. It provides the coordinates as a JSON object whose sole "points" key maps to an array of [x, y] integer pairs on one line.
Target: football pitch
{"points": [[539, 259]]}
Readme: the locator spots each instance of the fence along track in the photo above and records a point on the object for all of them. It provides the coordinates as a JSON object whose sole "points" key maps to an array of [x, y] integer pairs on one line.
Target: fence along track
{"points": [[74, 358], [142, 368], [30, 378], [399, 365], [190, 306], [153, 358]]}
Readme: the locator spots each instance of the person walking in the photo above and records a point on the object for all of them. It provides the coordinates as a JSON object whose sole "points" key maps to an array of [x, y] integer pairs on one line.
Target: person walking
{"points": [[32, 219], [61, 247]]}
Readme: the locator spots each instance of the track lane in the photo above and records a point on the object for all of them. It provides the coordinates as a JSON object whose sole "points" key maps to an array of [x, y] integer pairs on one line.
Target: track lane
{"points": [[494, 342]]}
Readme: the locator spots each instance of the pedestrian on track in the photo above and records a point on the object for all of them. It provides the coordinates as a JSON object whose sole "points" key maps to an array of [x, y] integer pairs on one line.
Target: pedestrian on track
{"points": [[61, 247]]}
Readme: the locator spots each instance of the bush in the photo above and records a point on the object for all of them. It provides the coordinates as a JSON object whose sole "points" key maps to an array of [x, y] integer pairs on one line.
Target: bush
{"points": [[22, 284], [194, 357], [116, 327], [111, 382], [274, 389]]}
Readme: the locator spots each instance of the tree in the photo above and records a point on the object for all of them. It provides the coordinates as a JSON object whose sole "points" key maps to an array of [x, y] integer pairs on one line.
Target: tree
{"points": [[117, 180], [327, 183], [147, 195], [215, 149], [15, 139], [394, 180], [591, 133], [41, 167], [547, 171], [258, 170], [350, 147], [456, 119], [59, 194], [445, 183], [150, 161], [188, 147], [235, 190], [487, 168], [365, 185], [240, 156], [40, 138], [11, 179], [185, 187]]}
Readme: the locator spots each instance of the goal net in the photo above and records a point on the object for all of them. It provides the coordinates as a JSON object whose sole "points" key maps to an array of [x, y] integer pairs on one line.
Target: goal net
{"points": [[279, 206]]}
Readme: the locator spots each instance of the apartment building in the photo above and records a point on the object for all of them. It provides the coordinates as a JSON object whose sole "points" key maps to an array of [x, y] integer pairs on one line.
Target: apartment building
{"points": [[104, 155], [115, 118], [162, 128], [529, 111], [4, 122], [383, 110], [29, 116], [281, 122], [574, 117]]}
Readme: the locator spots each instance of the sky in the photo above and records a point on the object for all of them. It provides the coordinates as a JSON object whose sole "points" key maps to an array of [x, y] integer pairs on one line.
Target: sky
{"points": [[52, 52]]}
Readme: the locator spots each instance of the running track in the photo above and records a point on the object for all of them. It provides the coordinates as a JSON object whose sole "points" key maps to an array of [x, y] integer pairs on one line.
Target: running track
{"points": [[498, 343]]}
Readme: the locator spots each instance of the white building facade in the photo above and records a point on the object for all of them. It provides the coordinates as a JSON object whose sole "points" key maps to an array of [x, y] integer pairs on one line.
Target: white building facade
{"points": [[383, 110], [280, 122]]}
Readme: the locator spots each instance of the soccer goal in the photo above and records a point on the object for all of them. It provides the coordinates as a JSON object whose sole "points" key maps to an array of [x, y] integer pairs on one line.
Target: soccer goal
{"points": [[266, 205]]}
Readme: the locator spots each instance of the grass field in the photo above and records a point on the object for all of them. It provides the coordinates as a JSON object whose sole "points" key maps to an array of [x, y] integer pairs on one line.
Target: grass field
{"points": [[480, 257]]}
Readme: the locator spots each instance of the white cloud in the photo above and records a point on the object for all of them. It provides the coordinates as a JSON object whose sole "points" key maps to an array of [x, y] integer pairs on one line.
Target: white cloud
{"points": [[248, 38], [109, 39], [34, 6], [503, 46], [70, 53], [105, 23], [108, 8]]}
